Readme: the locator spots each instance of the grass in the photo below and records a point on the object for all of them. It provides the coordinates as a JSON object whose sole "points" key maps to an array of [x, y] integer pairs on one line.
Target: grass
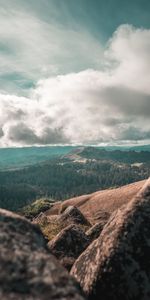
{"points": [[35, 208], [50, 228]]}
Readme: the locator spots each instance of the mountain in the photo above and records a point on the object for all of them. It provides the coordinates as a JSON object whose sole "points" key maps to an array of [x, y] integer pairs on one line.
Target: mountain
{"points": [[141, 148], [68, 172], [15, 158], [127, 148], [128, 156]]}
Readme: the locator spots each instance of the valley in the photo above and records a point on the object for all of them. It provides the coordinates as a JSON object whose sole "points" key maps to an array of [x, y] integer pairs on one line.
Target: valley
{"points": [[69, 172]]}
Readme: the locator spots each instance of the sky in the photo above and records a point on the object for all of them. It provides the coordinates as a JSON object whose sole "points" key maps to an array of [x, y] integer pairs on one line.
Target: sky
{"points": [[74, 72]]}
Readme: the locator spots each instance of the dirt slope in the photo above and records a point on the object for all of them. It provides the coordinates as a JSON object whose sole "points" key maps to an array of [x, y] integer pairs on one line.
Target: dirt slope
{"points": [[107, 200]]}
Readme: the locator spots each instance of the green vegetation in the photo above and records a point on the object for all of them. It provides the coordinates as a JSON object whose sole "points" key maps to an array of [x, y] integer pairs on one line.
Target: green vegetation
{"points": [[50, 230], [84, 172], [15, 158], [37, 207], [51, 226], [131, 156]]}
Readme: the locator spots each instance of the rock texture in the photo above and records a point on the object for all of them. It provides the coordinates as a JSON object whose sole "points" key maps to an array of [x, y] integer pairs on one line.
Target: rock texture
{"points": [[73, 215], [28, 270], [106, 200], [69, 244], [94, 232], [101, 216], [41, 218], [117, 265]]}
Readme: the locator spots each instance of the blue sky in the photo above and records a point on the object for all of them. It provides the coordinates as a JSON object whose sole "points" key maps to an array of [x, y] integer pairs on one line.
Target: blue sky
{"points": [[74, 72]]}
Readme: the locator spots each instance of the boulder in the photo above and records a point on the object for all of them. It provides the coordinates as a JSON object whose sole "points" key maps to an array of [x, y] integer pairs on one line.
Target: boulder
{"points": [[73, 215], [94, 232], [102, 218], [101, 215], [44, 219], [67, 262], [69, 244], [117, 265], [28, 270], [40, 219]]}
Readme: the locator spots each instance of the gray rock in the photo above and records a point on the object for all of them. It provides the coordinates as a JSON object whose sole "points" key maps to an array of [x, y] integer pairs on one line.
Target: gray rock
{"points": [[117, 265], [69, 244], [101, 215], [94, 232], [73, 215], [67, 262], [28, 270]]}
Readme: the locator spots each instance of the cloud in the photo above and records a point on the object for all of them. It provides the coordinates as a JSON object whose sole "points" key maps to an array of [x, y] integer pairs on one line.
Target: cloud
{"points": [[134, 134], [108, 105], [23, 133], [1, 132], [31, 48]]}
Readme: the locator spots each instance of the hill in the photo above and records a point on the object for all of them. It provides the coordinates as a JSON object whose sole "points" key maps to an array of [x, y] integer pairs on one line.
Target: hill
{"points": [[108, 200], [128, 156], [15, 158], [69, 172]]}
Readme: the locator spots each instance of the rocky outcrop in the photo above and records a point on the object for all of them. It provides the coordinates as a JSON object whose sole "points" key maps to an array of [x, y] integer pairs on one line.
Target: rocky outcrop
{"points": [[28, 270], [73, 215], [94, 232], [69, 244], [41, 218], [101, 216], [107, 200], [117, 265]]}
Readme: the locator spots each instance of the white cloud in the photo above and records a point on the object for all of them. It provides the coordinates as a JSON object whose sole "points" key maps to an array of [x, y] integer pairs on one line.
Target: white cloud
{"points": [[31, 49], [130, 47], [92, 106]]}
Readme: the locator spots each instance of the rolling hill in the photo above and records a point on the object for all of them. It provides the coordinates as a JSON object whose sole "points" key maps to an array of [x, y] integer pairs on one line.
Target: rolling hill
{"points": [[92, 205], [15, 158]]}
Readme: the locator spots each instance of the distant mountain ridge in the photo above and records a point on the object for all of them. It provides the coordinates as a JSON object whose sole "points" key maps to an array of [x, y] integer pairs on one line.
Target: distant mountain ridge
{"points": [[60, 173], [15, 158], [130, 156]]}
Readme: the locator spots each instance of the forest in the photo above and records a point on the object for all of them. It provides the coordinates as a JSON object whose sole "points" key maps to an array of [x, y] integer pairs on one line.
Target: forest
{"points": [[67, 177]]}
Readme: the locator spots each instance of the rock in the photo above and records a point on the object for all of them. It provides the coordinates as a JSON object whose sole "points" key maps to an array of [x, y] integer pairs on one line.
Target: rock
{"points": [[52, 219], [73, 215], [67, 262], [95, 231], [40, 219], [69, 244], [44, 219], [28, 270], [117, 265], [101, 215]]}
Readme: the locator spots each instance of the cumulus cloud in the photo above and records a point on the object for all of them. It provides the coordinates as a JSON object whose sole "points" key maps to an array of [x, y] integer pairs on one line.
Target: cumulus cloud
{"points": [[88, 107], [31, 48], [23, 133]]}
